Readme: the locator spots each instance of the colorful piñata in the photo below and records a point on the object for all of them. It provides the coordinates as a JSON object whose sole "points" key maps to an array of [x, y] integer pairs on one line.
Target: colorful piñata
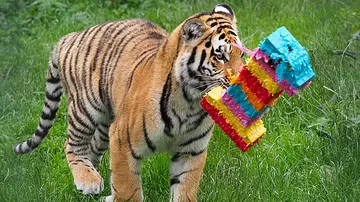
{"points": [[280, 64]]}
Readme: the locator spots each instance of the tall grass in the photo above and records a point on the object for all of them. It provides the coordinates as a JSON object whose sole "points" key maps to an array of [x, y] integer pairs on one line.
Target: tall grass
{"points": [[311, 149]]}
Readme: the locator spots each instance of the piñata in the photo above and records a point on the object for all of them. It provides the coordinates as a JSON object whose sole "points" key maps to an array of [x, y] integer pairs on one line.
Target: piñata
{"points": [[280, 64]]}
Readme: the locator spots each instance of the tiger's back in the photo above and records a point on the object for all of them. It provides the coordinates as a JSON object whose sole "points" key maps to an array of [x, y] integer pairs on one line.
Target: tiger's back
{"points": [[91, 60]]}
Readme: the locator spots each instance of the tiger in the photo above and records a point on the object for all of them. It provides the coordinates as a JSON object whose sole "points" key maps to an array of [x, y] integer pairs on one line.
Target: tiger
{"points": [[134, 89]]}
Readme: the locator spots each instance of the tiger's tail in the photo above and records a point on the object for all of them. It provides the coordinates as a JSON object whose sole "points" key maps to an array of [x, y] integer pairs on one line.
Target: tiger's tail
{"points": [[51, 105]]}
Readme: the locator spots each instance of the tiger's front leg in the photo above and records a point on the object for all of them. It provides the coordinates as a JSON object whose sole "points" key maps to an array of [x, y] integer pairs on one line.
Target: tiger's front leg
{"points": [[186, 169], [125, 166]]}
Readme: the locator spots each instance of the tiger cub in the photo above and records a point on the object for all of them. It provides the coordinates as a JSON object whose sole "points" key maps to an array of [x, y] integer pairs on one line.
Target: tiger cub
{"points": [[134, 89]]}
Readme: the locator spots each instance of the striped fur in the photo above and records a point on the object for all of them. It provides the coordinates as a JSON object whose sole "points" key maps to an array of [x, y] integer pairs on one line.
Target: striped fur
{"points": [[135, 89]]}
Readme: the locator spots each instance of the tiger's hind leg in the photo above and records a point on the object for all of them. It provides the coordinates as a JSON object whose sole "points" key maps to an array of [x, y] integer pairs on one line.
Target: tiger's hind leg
{"points": [[86, 177], [84, 149], [99, 144]]}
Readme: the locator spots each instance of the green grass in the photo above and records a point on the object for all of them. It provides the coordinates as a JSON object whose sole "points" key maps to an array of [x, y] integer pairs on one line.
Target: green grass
{"points": [[310, 152]]}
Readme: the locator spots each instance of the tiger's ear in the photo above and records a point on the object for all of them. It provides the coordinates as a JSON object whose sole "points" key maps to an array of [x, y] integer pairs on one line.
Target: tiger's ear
{"points": [[192, 29], [224, 8]]}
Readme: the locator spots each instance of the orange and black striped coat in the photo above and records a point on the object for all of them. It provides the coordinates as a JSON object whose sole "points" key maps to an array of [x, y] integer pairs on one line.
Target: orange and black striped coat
{"points": [[135, 89]]}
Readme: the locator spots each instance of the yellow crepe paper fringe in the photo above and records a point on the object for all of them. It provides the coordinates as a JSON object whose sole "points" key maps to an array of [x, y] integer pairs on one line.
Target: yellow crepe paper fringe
{"points": [[249, 134], [266, 81]]}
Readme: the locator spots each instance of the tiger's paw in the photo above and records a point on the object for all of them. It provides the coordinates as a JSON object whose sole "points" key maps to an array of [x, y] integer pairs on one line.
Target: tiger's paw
{"points": [[107, 198], [88, 181]]}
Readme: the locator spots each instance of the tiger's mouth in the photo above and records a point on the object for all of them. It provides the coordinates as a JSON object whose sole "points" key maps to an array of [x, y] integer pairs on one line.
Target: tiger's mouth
{"points": [[223, 82]]}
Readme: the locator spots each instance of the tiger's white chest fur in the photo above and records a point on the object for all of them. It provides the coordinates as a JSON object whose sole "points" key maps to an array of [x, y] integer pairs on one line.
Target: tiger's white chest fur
{"points": [[189, 130], [192, 125]]}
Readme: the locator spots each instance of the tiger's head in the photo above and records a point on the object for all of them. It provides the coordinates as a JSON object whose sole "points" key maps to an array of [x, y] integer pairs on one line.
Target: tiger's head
{"points": [[206, 51]]}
